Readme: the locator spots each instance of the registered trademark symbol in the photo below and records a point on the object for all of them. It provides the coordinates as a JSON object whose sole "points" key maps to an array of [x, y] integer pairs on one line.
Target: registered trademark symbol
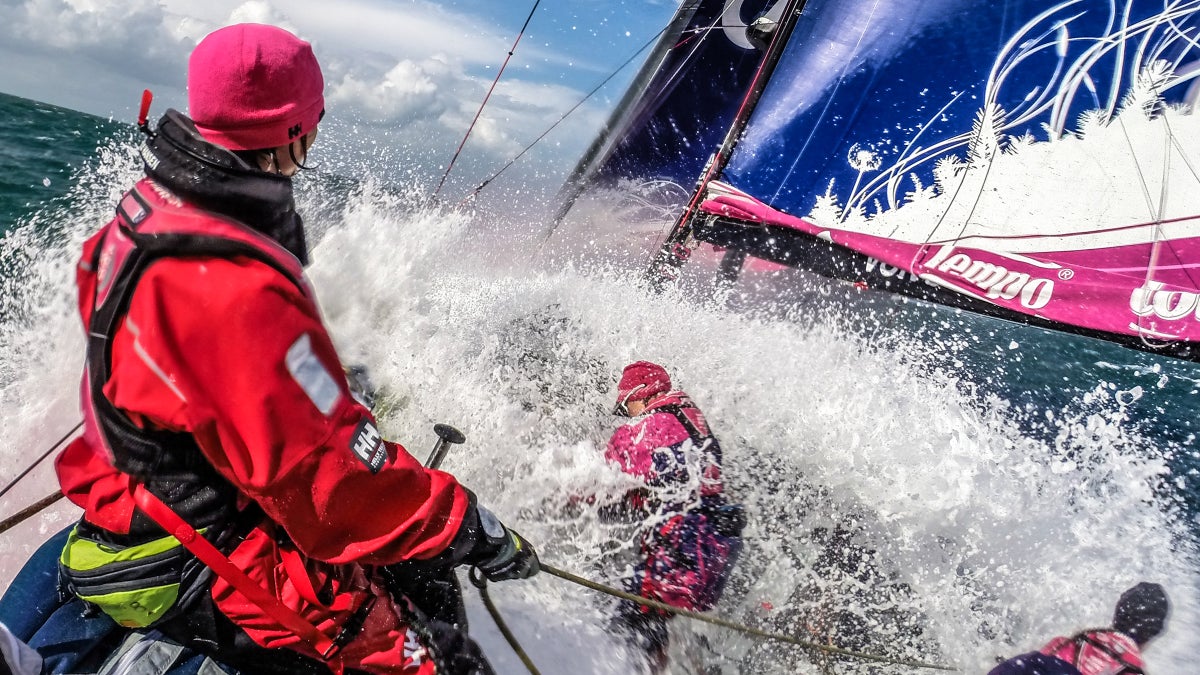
{"points": [[1066, 275]]}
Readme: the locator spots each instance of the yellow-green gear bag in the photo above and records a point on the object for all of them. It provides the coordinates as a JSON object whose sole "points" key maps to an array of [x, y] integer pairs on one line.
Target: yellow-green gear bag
{"points": [[135, 585]]}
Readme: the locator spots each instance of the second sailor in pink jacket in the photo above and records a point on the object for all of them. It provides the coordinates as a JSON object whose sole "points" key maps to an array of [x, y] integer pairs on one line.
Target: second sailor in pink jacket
{"points": [[692, 534]]}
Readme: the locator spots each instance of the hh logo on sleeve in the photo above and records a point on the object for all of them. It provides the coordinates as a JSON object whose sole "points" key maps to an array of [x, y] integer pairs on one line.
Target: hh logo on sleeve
{"points": [[367, 445]]}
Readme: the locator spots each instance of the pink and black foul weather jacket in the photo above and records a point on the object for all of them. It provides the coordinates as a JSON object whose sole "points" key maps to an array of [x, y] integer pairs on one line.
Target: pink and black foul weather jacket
{"points": [[687, 544]]}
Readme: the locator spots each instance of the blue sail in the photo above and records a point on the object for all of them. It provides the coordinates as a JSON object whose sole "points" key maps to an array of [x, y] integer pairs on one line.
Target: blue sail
{"points": [[681, 104], [1024, 159], [885, 80]]}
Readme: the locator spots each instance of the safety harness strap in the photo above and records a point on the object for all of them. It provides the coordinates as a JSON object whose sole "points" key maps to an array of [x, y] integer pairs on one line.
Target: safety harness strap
{"points": [[1086, 638], [200, 547], [705, 441], [676, 409]]}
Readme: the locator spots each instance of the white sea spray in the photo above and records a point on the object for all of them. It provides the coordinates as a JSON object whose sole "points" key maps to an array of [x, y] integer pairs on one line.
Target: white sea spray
{"points": [[889, 505]]}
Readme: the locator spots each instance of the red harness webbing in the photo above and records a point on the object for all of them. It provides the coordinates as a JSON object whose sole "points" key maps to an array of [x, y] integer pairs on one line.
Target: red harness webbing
{"points": [[221, 566]]}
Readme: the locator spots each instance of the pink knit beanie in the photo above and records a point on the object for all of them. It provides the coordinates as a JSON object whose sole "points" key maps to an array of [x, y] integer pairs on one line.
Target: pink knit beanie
{"points": [[641, 380], [253, 87]]}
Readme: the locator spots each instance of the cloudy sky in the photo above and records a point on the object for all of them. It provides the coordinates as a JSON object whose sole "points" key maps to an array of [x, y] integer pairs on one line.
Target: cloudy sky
{"points": [[404, 74]]}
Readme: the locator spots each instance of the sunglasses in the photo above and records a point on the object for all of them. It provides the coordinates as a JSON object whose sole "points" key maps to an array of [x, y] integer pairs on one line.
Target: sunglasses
{"points": [[622, 408]]}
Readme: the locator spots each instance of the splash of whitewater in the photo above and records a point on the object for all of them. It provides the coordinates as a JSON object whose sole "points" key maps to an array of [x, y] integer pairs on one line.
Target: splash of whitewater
{"points": [[890, 510]]}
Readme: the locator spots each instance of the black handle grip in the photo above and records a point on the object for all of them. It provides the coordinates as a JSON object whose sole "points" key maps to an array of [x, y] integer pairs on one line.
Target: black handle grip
{"points": [[449, 434]]}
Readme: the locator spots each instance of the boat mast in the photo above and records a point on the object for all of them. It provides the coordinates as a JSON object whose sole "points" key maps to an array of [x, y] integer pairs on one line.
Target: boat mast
{"points": [[677, 247]]}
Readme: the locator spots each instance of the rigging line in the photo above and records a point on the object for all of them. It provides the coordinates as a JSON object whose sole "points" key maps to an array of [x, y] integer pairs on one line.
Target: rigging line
{"points": [[942, 218], [1155, 213], [1182, 154], [40, 459], [480, 582], [564, 116], [1173, 142], [710, 172], [29, 511], [645, 101], [978, 195], [1141, 175], [841, 78], [486, 97], [680, 67], [683, 63], [717, 621], [706, 30]]}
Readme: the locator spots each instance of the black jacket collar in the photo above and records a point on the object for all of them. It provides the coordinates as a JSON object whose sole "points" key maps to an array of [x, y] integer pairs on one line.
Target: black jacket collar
{"points": [[215, 179]]}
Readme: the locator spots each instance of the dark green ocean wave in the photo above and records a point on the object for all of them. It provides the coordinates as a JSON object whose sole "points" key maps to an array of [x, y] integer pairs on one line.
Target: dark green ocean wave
{"points": [[41, 147]]}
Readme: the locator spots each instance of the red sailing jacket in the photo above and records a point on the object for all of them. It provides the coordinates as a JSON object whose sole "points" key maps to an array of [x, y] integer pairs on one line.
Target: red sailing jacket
{"points": [[233, 352]]}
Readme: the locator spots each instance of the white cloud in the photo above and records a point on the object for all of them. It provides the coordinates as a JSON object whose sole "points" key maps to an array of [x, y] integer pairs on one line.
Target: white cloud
{"points": [[258, 11], [410, 30], [406, 74], [126, 35], [407, 91]]}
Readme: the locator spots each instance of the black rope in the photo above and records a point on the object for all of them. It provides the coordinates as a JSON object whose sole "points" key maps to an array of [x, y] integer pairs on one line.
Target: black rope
{"points": [[29, 511], [485, 99], [480, 582], [40, 459], [717, 621], [564, 116]]}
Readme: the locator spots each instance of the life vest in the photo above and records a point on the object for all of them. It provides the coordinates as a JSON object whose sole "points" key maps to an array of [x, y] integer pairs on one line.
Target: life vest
{"points": [[699, 438], [138, 578], [1098, 652], [150, 226], [689, 556], [699, 542], [703, 441]]}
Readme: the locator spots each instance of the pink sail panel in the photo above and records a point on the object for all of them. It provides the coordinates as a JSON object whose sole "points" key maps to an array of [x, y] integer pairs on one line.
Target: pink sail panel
{"points": [[1101, 287]]}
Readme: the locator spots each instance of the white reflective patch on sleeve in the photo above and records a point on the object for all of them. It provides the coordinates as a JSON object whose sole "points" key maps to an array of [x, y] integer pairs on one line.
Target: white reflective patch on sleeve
{"points": [[311, 375]]}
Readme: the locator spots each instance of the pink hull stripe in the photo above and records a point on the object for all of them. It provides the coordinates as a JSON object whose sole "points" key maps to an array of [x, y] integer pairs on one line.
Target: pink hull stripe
{"points": [[1104, 289]]}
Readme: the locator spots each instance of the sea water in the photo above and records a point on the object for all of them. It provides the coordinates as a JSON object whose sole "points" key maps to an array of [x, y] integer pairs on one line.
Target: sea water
{"points": [[920, 483]]}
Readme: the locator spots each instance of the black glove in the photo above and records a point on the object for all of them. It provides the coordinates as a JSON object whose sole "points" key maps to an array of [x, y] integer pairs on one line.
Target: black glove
{"points": [[504, 554]]}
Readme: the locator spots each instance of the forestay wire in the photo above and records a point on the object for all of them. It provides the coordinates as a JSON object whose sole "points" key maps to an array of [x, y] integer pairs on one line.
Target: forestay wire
{"points": [[485, 98], [564, 116]]}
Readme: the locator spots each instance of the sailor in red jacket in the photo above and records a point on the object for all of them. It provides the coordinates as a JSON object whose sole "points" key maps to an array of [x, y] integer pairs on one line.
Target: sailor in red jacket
{"points": [[213, 393], [692, 535]]}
